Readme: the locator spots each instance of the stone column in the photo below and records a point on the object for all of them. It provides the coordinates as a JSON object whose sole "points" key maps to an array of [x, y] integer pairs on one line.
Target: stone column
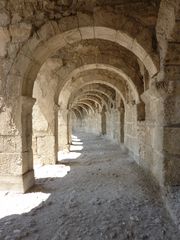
{"points": [[171, 136], [69, 122], [16, 158], [108, 121], [96, 123], [153, 131], [121, 117], [56, 110], [63, 141], [116, 124], [103, 121], [44, 135], [110, 117]]}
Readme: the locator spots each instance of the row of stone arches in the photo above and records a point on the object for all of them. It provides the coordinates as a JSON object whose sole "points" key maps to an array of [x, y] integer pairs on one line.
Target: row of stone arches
{"points": [[48, 55]]}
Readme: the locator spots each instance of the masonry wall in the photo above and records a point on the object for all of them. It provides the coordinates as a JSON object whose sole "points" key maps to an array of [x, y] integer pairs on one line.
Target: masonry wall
{"points": [[150, 137], [131, 135], [90, 123], [44, 116]]}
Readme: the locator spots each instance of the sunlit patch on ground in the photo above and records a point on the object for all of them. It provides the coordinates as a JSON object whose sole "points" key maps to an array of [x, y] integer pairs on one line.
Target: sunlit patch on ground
{"points": [[13, 203], [69, 155], [75, 138], [77, 145], [52, 171], [76, 148], [20, 203]]}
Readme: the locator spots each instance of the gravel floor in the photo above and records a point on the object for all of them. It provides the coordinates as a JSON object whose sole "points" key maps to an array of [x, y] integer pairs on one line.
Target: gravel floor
{"points": [[95, 193]]}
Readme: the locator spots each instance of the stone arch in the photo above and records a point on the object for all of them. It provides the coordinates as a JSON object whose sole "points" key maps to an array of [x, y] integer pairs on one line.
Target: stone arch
{"points": [[75, 110], [80, 108], [86, 103], [102, 67], [100, 98], [43, 44], [100, 89], [71, 88], [122, 122], [50, 38], [89, 99], [33, 54], [79, 83], [71, 85], [103, 120]]}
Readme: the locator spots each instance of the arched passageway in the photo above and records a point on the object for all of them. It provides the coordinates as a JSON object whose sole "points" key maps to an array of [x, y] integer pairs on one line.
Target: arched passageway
{"points": [[98, 67]]}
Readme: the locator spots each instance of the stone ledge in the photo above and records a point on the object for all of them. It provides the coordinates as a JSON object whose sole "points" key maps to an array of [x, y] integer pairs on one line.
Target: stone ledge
{"points": [[18, 184]]}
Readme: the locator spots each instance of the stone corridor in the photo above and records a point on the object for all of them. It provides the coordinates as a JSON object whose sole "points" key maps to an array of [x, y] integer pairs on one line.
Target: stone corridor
{"points": [[103, 195], [108, 71]]}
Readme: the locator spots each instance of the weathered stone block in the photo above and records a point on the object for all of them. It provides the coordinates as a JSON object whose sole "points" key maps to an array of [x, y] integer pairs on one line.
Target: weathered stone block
{"points": [[85, 20], [72, 36], [172, 169], [4, 18], [4, 40], [48, 30], [87, 32], [68, 23], [40, 123], [172, 140], [20, 32], [105, 33], [157, 138], [11, 163], [18, 184], [173, 56], [46, 149]]}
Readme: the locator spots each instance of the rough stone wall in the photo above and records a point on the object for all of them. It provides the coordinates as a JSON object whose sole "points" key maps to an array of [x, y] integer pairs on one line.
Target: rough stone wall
{"points": [[44, 114], [112, 120], [63, 126], [169, 38], [131, 141], [160, 131], [90, 123]]}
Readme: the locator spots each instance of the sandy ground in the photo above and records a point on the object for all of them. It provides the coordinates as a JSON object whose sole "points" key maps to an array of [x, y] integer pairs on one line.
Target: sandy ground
{"points": [[97, 192]]}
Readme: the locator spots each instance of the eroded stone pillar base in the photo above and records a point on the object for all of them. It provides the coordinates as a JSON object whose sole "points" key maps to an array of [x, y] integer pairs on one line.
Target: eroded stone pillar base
{"points": [[19, 184]]}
